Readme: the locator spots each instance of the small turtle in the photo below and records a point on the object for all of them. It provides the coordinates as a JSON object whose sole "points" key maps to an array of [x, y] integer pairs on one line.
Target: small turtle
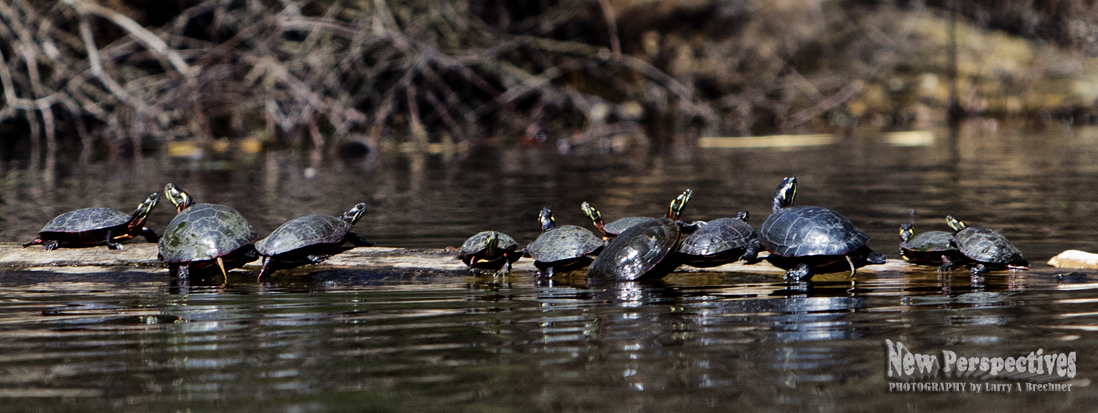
{"points": [[561, 248], [203, 234], [612, 229], [720, 241], [489, 251], [986, 248], [931, 247], [800, 238], [91, 226], [645, 250], [311, 238]]}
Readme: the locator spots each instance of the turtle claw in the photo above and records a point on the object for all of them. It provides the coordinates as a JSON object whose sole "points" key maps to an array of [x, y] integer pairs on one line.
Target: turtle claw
{"points": [[979, 270], [947, 264], [801, 272], [50, 245], [318, 258], [876, 258]]}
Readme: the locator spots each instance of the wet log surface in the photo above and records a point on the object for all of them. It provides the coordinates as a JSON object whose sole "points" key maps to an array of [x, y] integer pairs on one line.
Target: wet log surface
{"points": [[142, 257]]}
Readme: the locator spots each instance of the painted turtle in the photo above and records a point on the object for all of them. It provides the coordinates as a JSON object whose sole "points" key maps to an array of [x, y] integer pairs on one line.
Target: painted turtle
{"points": [[987, 248], [614, 228], [489, 251], [91, 226], [311, 238], [203, 234], [931, 247], [800, 238], [720, 241], [644, 250], [561, 248]]}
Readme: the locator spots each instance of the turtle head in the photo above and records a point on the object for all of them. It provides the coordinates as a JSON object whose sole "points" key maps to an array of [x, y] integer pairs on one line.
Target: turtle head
{"points": [[742, 216], [906, 231], [594, 215], [491, 242], [180, 199], [352, 215], [787, 190], [675, 210], [142, 212], [545, 218], [955, 224]]}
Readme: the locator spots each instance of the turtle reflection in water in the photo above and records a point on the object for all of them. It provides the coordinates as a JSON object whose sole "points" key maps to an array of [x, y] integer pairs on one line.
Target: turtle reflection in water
{"points": [[645, 250], [201, 235], [489, 252], [310, 238], [92, 226], [561, 248], [802, 238], [986, 248]]}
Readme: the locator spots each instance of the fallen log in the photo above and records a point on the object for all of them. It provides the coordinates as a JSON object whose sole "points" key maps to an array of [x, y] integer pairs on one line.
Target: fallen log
{"points": [[141, 257]]}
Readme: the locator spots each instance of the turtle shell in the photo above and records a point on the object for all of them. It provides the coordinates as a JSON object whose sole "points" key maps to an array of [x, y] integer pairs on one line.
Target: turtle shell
{"points": [[641, 251], [302, 232], [476, 245], [810, 231], [204, 232], [621, 224], [717, 236], [86, 219], [987, 246], [563, 243], [930, 241]]}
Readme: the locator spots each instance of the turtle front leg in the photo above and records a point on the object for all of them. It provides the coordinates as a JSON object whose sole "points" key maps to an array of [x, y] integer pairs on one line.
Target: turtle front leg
{"points": [[876, 258], [547, 273], [317, 258], [358, 240], [180, 271], [801, 272], [751, 254], [947, 264], [979, 269], [149, 235], [110, 241], [265, 269]]}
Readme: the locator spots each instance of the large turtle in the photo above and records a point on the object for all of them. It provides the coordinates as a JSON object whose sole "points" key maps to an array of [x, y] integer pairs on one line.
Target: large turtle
{"points": [[803, 238], [930, 247], [311, 238], [986, 248], [645, 250], [720, 241], [563, 247], [204, 234], [91, 226], [489, 251]]}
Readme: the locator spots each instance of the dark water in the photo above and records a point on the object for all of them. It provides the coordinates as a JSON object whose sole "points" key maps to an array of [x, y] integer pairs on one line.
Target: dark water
{"points": [[446, 342]]}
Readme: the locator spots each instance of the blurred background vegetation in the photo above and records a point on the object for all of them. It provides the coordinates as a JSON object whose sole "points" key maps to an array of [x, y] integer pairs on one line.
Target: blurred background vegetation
{"points": [[134, 74]]}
